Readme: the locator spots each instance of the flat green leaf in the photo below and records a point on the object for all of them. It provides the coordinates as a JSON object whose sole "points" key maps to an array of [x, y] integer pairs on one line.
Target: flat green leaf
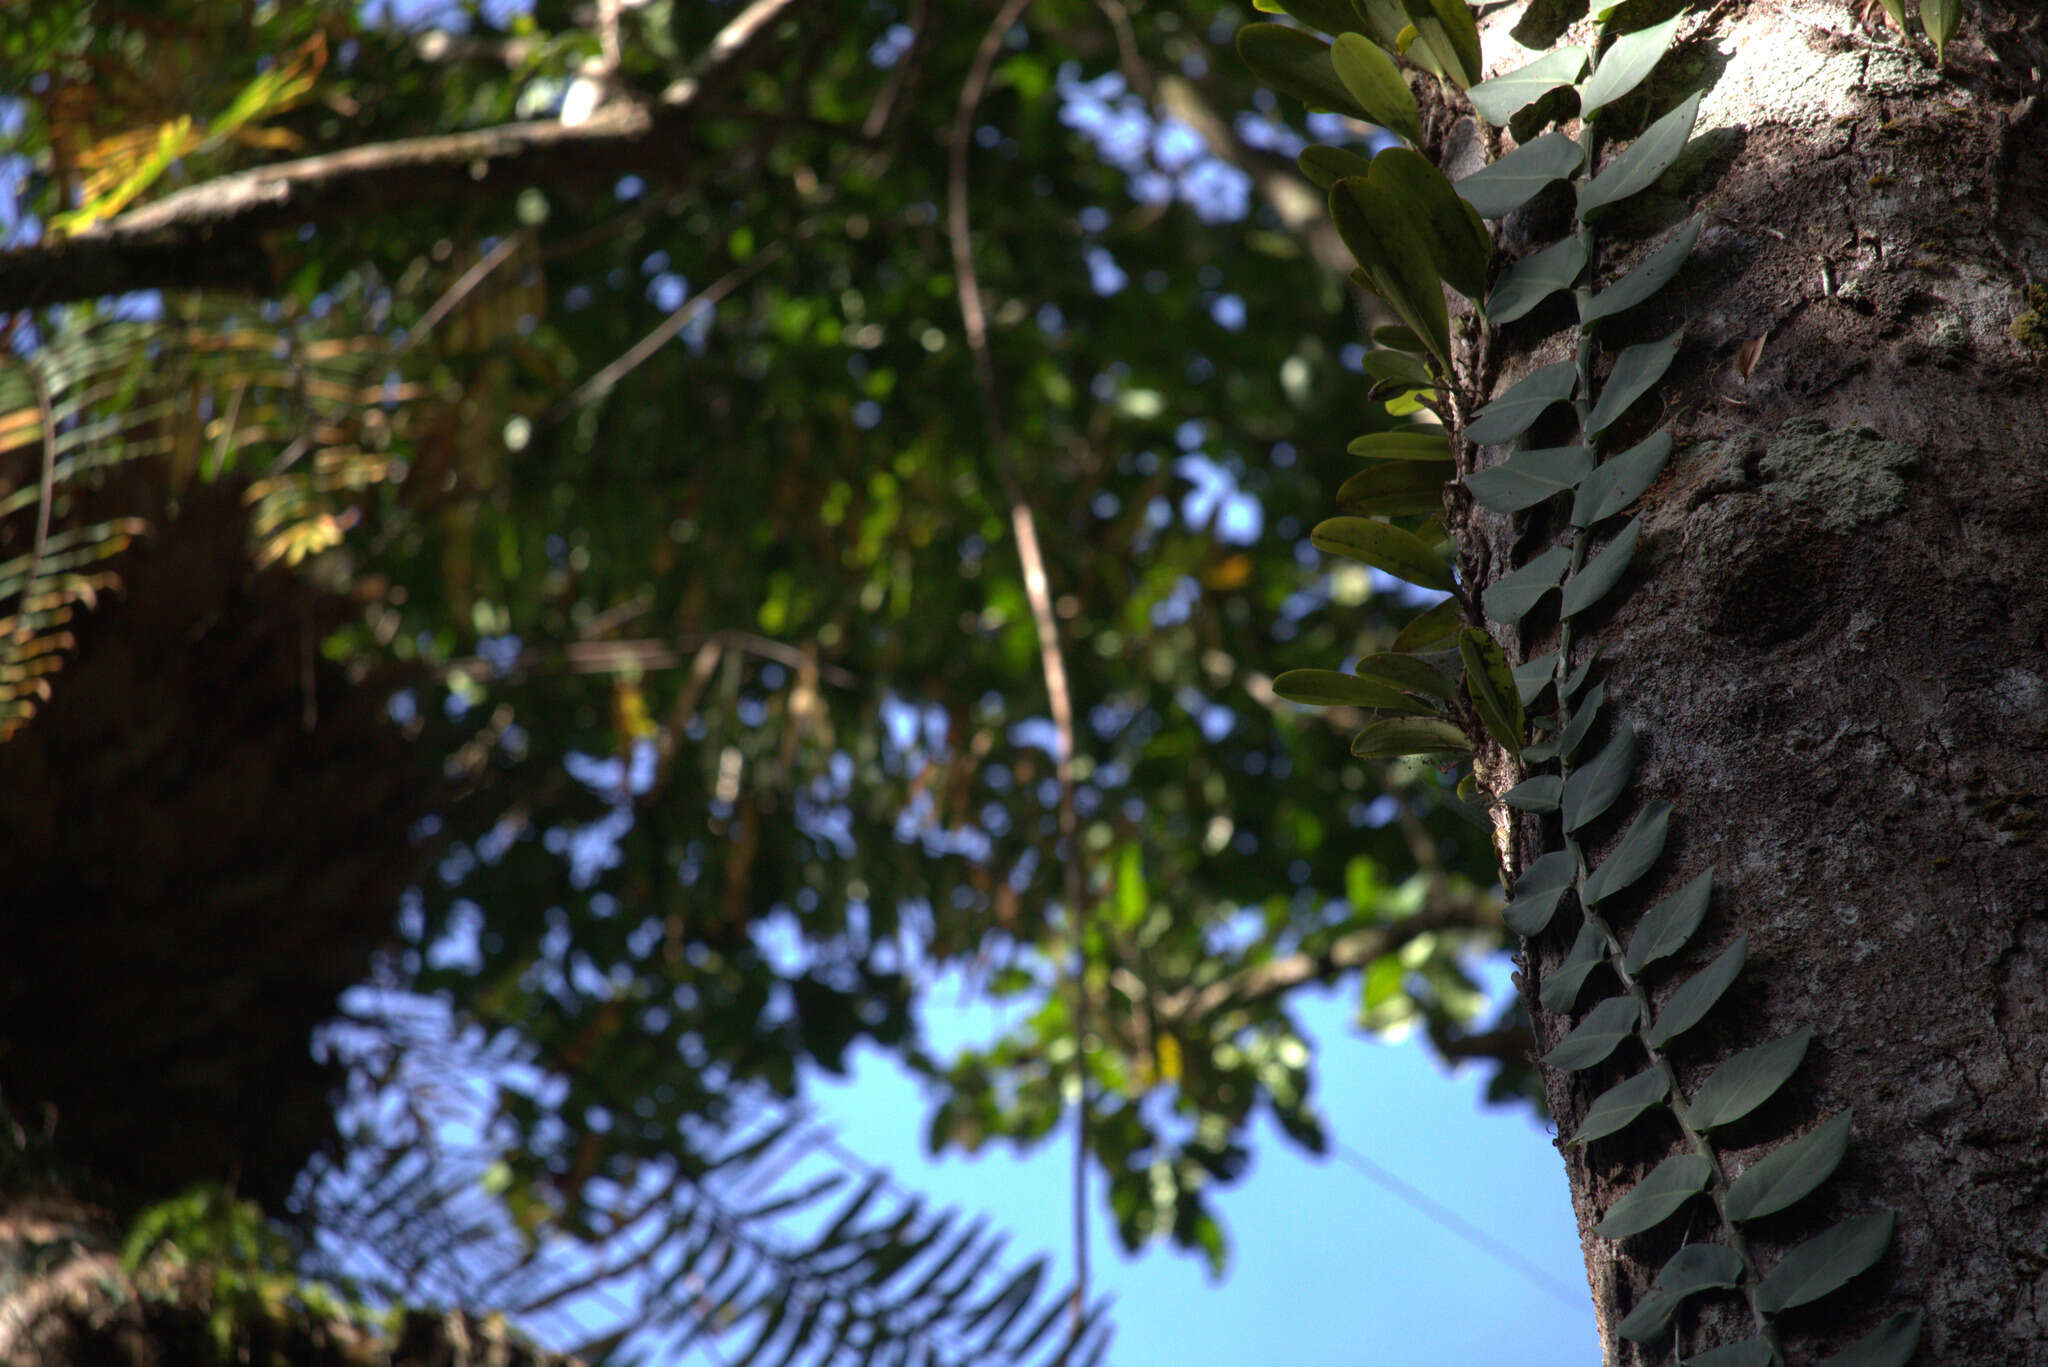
{"points": [[1396, 488], [1509, 598], [1408, 674], [1384, 20], [1328, 165], [1542, 752], [1635, 370], [1450, 227], [1581, 723], [1747, 1080], [1825, 1262], [1297, 64], [1373, 80], [1538, 794], [1651, 1316], [1429, 627], [1657, 1197], [1891, 1344], [1593, 788], [1578, 677], [1505, 186], [1688, 1006], [1941, 18], [1791, 1172], [1537, 892], [1506, 95], [1526, 478], [1534, 675], [1410, 403], [1383, 546], [1618, 1106], [1396, 338], [1412, 44], [1329, 688], [1597, 578], [1453, 32], [1413, 444], [1594, 1038], [1897, 10], [1652, 274], [1647, 158], [1491, 683], [1699, 1267], [1616, 483], [1410, 736], [1535, 278], [1561, 989], [1694, 1268], [1637, 853], [1510, 415], [1667, 927], [1626, 62], [1743, 1353], [1331, 16], [1385, 233], [1383, 363]]}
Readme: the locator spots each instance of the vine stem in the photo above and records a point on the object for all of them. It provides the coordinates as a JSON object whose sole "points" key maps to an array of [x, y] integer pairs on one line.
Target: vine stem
{"points": [[1582, 405], [1038, 592]]}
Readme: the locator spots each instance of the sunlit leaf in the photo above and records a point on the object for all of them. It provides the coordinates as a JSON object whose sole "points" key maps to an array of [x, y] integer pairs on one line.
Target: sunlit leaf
{"points": [[1627, 60], [1331, 16], [1647, 158], [1688, 1006], [1452, 32], [1747, 1080], [1594, 1038], [1375, 83], [1657, 1197], [1790, 1173], [1505, 186], [1506, 95], [1825, 1262], [1941, 19], [1421, 444]]}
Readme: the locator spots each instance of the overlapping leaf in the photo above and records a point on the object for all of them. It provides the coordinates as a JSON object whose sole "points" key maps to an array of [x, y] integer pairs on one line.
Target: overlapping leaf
{"points": [[1647, 158], [1526, 478], [1505, 96], [1506, 185], [1510, 415], [1657, 1197]]}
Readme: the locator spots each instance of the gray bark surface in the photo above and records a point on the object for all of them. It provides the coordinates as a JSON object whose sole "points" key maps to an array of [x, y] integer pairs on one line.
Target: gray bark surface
{"points": [[1832, 641]]}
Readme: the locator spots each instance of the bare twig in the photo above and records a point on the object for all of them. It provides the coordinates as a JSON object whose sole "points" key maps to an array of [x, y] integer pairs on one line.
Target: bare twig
{"points": [[464, 287], [600, 384], [1024, 526], [48, 492]]}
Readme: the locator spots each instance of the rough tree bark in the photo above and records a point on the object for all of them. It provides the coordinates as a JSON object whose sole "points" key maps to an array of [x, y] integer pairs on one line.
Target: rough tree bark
{"points": [[1833, 641]]}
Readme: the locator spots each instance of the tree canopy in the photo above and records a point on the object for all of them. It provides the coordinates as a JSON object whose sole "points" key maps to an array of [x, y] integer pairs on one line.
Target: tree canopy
{"points": [[651, 467]]}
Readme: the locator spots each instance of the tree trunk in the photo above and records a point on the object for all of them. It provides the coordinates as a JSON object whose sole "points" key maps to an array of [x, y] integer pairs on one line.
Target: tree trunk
{"points": [[1831, 643]]}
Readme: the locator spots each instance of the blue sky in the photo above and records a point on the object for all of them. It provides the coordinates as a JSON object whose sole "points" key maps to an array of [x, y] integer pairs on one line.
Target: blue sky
{"points": [[1328, 1267]]}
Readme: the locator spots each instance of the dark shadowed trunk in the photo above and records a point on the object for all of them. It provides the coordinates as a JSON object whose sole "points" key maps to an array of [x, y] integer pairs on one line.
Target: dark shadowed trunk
{"points": [[1833, 645]]}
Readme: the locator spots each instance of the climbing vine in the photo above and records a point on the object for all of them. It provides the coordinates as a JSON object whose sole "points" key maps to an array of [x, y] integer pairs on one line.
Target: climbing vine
{"points": [[1561, 749]]}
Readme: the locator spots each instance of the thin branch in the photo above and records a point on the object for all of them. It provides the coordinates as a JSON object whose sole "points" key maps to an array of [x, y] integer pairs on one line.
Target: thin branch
{"points": [[48, 492], [464, 287], [600, 384], [1024, 526], [215, 234]]}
